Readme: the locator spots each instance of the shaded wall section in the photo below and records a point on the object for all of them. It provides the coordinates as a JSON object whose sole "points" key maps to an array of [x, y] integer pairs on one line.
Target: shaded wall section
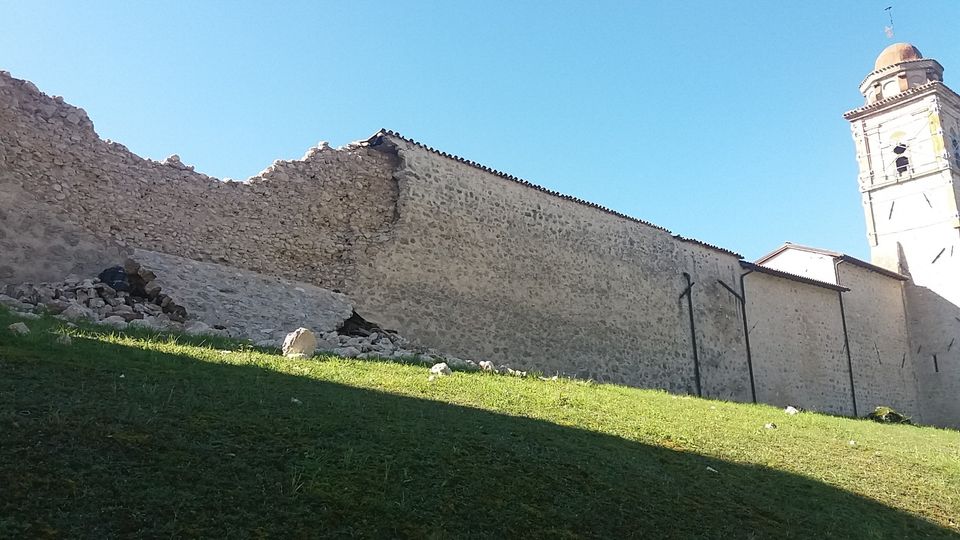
{"points": [[796, 337], [37, 245], [883, 365]]}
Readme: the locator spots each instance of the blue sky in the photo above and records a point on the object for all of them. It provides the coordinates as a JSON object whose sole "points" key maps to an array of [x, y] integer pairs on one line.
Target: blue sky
{"points": [[718, 120]]}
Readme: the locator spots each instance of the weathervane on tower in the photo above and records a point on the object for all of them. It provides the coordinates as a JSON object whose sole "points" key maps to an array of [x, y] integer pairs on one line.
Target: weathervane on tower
{"points": [[888, 30]]}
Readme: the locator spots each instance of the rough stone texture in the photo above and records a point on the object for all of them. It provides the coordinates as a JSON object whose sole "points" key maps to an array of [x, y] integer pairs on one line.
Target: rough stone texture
{"points": [[245, 303], [455, 257], [36, 243], [796, 338], [302, 219], [299, 343], [554, 285], [883, 367], [441, 370]]}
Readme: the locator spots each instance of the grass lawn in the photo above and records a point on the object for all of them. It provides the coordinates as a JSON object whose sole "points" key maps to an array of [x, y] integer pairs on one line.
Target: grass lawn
{"points": [[133, 435]]}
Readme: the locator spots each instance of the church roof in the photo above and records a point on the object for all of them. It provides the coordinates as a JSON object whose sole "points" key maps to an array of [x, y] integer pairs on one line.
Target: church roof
{"points": [[386, 132], [836, 255]]}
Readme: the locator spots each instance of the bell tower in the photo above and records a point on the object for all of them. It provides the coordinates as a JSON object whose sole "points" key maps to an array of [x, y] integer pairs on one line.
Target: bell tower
{"points": [[907, 138]]}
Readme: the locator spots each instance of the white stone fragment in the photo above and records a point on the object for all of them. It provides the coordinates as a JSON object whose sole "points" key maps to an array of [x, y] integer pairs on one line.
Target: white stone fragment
{"points": [[791, 410], [487, 365], [441, 370], [300, 343]]}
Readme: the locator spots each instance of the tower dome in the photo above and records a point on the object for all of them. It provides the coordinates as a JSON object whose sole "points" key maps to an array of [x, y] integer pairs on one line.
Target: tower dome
{"points": [[899, 68], [896, 53]]}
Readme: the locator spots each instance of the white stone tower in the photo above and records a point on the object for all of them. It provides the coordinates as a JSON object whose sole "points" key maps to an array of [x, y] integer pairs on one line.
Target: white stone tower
{"points": [[907, 137]]}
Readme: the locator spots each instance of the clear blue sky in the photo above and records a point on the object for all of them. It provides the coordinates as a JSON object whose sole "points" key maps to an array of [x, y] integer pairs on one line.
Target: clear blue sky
{"points": [[718, 120]]}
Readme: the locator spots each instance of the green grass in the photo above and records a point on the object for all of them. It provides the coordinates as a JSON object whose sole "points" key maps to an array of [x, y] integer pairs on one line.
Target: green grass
{"points": [[136, 435]]}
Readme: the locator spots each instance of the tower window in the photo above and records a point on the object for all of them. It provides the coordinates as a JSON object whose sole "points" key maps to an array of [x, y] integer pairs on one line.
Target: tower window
{"points": [[903, 162]]}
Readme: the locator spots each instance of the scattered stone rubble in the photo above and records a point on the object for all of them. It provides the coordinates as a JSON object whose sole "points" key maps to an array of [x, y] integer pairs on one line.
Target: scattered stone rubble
{"points": [[362, 343], [133, 296], [248, 305], [121, 297]]}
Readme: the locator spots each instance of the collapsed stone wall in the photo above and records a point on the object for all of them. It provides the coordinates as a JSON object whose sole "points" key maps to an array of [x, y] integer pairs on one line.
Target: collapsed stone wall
{"points": [[305, 219]]}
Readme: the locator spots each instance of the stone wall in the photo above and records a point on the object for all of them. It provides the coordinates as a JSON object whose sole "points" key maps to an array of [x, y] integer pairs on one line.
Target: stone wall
{"points": [[934, 326], [492, 267], [38, 245], [305, 219], [796, 337], [883, 366], [451, 254]]}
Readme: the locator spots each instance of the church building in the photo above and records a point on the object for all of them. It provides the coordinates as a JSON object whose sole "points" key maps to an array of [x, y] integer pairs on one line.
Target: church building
{"points": [[907, 138]]}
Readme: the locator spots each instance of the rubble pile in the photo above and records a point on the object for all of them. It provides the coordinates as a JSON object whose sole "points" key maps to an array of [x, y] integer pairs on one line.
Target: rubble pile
{"points": [[132, 296], [121, 296]]}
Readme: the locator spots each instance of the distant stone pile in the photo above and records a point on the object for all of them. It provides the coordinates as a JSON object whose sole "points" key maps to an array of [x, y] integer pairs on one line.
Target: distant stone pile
{"points": [[121, 296]]}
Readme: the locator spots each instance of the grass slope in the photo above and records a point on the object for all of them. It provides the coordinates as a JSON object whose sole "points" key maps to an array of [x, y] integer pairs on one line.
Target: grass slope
{"points": [[144, 436]]}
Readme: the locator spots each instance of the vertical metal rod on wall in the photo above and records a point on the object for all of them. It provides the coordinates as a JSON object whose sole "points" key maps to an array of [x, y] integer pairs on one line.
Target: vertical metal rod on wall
{"points": [[846, 346], [693, 333], [846, 338], [746, 333]]}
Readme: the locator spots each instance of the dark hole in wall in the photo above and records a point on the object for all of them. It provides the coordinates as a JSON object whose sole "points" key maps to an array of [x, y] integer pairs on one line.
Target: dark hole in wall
{"points": [[358, 326]]}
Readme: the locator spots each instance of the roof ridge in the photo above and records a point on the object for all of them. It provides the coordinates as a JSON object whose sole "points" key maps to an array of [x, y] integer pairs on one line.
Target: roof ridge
{"points": [[521, 181], [836, 255]]}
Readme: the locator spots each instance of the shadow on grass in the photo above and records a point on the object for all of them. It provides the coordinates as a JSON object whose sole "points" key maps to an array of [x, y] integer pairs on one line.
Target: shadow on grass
{"points": [[99, 440]]}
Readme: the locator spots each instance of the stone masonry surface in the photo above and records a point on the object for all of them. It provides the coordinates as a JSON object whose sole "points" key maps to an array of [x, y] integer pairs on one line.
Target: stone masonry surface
{"points": [[451, 255]]}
